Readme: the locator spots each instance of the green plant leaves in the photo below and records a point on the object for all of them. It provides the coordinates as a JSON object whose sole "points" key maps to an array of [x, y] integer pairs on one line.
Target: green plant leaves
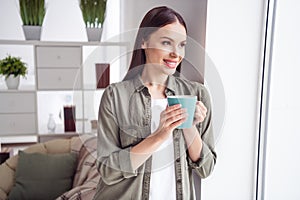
{"points": [[12, 66], [93, 12], [32, 12]]}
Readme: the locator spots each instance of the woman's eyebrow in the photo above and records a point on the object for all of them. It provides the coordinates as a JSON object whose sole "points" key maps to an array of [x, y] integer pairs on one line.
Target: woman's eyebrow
{"points": [[165, 37]]}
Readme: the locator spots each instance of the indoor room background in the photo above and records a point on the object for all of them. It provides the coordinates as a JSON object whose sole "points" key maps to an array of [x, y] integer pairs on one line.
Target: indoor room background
{"points": [[252, 45]]}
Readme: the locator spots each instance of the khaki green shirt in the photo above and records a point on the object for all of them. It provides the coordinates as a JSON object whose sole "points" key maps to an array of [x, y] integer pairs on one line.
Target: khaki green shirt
{"points": [[125, 120]]}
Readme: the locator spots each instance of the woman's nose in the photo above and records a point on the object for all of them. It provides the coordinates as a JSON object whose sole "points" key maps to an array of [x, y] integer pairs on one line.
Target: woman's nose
{"points": [[174, 53]]}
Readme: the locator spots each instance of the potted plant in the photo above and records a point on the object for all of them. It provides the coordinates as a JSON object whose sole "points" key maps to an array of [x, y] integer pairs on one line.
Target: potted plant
{"points": [[32, 13], [12, 68], [93, 13]]}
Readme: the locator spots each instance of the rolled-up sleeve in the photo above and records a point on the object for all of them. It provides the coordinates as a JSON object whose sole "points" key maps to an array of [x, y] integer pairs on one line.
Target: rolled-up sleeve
{"points": [[114, 163], [205, 165]]}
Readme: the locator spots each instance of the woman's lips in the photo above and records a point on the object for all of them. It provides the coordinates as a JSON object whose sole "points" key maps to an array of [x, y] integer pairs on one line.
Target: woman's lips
{"points": [[170, 64]]}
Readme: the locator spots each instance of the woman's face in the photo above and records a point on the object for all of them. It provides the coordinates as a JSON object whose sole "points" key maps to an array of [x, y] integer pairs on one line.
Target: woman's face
{"points": [[165, 48]]}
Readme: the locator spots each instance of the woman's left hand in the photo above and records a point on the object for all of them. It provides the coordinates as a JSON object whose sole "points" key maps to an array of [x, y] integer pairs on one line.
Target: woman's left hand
{"points": [[200, 113]]}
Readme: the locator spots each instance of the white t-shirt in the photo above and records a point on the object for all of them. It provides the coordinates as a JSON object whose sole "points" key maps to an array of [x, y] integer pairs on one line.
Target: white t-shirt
{"points": [[162, 181]]}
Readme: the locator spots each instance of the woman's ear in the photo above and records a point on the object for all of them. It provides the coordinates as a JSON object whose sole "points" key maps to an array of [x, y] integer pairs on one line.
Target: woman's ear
{"points": [[144, 44]]}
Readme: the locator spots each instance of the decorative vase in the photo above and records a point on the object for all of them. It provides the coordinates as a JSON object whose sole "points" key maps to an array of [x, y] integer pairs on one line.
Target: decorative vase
{"points": [[51, 124], [94, 34], [32, 32], [12, 82]]}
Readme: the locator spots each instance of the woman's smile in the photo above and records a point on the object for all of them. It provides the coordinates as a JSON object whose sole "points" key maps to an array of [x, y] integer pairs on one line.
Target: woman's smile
{"points": [[170, 63]]}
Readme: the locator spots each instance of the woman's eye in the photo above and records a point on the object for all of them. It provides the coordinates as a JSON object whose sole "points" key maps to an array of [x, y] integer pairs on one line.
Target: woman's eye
{"points": [[166, 43], [182, 45]]}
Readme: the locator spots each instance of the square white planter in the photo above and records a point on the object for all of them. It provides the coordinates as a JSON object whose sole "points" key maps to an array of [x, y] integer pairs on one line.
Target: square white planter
{"points": [[32, 32], [94, 34]]}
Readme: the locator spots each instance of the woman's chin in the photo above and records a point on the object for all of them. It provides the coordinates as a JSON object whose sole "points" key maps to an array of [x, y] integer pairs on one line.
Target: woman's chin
{"points": [[169, 71]]}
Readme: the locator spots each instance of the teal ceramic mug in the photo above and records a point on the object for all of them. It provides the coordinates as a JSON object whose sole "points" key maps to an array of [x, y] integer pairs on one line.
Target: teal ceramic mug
{"points": [[189, 103]]}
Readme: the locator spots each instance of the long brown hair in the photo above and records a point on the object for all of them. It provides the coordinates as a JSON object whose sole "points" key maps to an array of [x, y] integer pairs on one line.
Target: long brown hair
{"points": [[152, 21]]}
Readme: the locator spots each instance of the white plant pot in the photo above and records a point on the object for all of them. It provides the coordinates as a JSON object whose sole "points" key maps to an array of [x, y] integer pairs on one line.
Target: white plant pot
{"points": [[94, 34], [12, 82], [32, 32]]}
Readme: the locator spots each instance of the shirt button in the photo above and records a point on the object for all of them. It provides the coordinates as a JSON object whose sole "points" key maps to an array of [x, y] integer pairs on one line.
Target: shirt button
{"points": [[179, 181], [178, 160]]}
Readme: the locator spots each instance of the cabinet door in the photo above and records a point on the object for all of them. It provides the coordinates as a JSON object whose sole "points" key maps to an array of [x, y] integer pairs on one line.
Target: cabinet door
{"points": [[17, 124], [59, 79], [17, 102], [58, 57]]}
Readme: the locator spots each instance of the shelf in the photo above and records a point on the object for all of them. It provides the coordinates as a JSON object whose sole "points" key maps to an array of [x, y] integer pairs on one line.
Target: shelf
{"points": [[18, 139], [17, 91], [58, 43], [62, 73]]}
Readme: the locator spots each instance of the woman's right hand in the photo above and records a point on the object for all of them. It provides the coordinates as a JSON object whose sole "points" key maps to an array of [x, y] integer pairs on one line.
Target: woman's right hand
{"points": [[170, 118]]}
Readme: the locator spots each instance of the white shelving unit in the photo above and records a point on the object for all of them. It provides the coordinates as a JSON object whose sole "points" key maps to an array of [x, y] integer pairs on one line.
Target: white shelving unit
{"points": [[61, 73]]}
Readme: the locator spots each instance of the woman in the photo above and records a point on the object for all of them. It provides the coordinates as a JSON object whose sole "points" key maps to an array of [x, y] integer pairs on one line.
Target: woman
{"points": [[141, 153]]}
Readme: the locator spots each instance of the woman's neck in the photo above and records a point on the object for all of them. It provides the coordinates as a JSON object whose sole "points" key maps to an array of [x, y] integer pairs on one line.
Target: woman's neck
{"points": [[149, 75], [156, 84], [156, 91]]}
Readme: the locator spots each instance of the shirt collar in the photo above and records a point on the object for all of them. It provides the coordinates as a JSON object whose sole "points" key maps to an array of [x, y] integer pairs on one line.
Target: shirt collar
{"points": [[171, 84], [139, 84]]}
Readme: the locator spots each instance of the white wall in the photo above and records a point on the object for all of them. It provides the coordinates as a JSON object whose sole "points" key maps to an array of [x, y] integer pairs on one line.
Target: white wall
{"points": [[283, 160], [233, 43], [10, 20], [63, 21]]}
